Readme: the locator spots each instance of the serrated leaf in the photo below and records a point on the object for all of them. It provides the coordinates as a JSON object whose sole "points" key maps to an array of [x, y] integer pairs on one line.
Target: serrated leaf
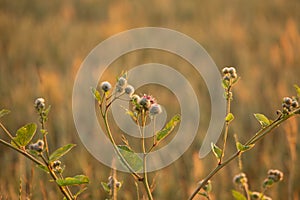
{"points": [[237, 195], [262, 119], [133, 160], [61, 152], [216, 150], [168, 128], [229, 117], [105, 187], [96, 94], [242, 147], [76, 180], [4, 112], [24, 134]]}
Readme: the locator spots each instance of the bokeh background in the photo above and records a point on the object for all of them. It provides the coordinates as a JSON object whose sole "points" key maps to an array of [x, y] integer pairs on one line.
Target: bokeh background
{"points": [[42, 44]]}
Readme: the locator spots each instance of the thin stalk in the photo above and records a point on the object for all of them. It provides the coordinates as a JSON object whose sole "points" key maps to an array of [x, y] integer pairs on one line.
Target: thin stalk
{"points": [[228, 99], [259, 135], [54, 177], [9, 135], [44, 134], [22, 152], [145, 180], [104, 115]]}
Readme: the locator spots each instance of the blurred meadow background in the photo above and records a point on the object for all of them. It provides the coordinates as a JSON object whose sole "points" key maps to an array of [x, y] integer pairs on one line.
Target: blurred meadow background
{"points": [[42, 45]]}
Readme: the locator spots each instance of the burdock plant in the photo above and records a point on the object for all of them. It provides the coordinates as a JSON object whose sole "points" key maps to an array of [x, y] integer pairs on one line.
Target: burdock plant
{"points": [[39, 153], [144, 109]]}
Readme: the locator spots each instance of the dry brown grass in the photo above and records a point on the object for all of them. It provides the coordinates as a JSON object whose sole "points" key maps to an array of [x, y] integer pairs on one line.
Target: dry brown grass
{"points": [[42, 44]]}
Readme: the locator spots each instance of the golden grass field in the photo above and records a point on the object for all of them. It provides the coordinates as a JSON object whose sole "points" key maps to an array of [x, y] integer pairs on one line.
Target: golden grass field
{"points": [[42, 45]]}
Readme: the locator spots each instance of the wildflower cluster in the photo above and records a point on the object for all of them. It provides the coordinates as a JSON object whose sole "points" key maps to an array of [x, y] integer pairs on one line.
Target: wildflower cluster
{"points": [[288, 104], [273, 177], [240, 179], [145, 103], [229, 73], [56, 166], [38, 146]]}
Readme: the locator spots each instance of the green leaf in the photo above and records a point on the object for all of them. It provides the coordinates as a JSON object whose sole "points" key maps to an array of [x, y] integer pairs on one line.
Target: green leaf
{"points": [[61, 152], [105, 187], [242, 147], [297, 90], [4, 112], [44, 168], [217, 151], [237, 195], [76, 180], [225, 84], [168, 128], [229, 117], [96, 94], [80, 192], [262, 119], [25, 134], [134, 161]]}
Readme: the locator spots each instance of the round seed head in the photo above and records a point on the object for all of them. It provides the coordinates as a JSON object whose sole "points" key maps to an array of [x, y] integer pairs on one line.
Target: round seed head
{"points": [[155, 109], [40, 143], [231, 70], [129, 90], [225, 70], [122, 81], [39, 103], [287, 100], [295, 104], [105, 86], [144, 102]]}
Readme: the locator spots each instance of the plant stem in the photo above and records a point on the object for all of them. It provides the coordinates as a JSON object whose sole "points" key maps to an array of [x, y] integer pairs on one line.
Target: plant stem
{"points": [[53, 175], [259, 135], [145, 180], [228, 99], [104, 115]]}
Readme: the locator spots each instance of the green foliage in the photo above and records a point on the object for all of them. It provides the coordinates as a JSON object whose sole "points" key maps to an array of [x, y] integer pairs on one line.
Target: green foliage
{"points": [[262, 119], [24, 134], [4, 112], [43, 167], [105, 187], [61, 152], [229, 117], [216, 150], [96, 94], [76, 180], [134, 161], [168, 128], [237, 195], [297, 90], [241, 147]]}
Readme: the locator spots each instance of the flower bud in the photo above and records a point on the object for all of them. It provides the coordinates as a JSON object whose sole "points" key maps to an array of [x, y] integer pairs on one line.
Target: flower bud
{"points": [[225, 70], [105, 86], [287, 100], [295, 104], [122, 81], [144, 102], [240, 179], [231, 70], [129, 90], [155, 109], [275, 175], [39, 103]]}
